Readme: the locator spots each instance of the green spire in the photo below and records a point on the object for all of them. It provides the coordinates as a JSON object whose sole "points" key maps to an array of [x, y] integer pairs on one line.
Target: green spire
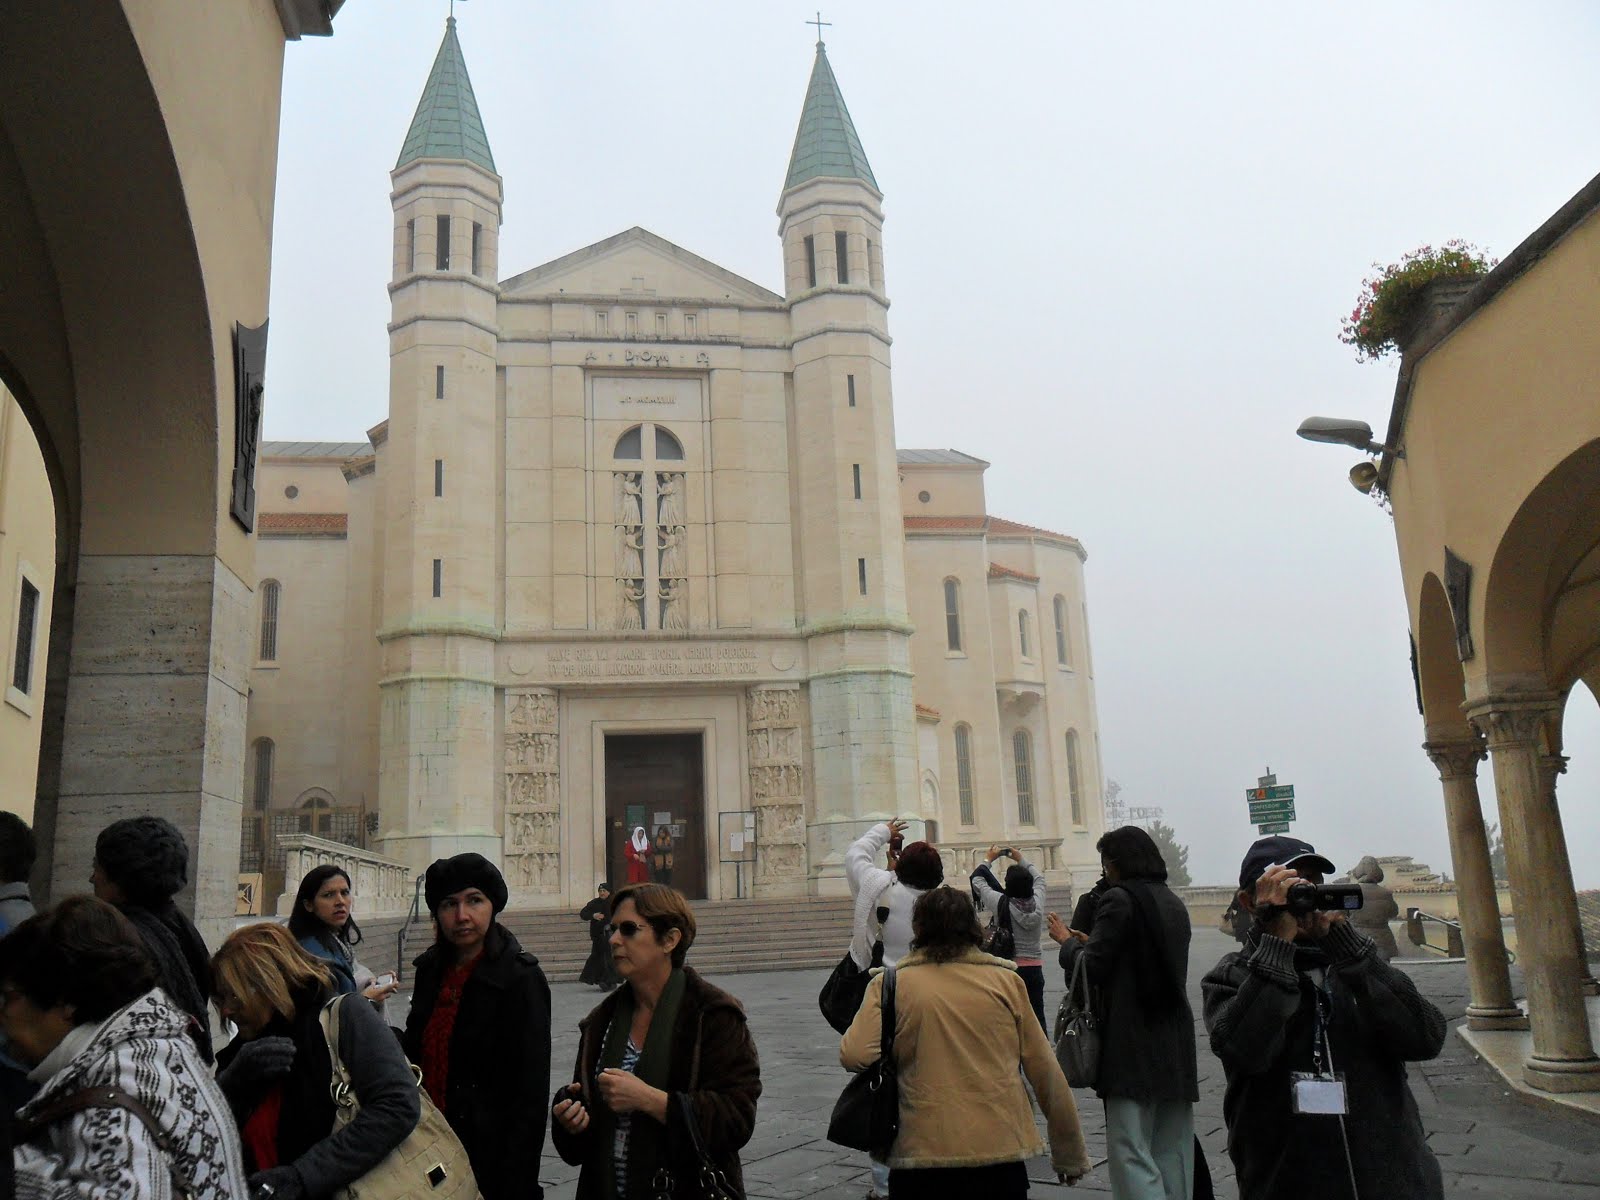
{"points": [[447, 124], [826, 145]]}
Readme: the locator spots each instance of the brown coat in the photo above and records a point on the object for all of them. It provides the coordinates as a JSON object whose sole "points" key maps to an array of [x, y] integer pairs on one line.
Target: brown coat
{"points": [[962, 1028], [713, 1060]]}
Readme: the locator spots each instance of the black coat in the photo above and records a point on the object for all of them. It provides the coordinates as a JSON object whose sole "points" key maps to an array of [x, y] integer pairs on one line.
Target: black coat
{"points": [[1147, 1039], [497, 1093], [1260, 1009], [713, 1060]]}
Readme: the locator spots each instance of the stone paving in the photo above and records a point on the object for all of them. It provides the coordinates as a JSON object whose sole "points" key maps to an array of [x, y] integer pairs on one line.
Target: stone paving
{"points": [[1488, 1142]]}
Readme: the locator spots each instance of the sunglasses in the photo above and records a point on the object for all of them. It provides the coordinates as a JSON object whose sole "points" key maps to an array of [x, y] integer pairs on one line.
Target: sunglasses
{"points": [[626, 928]]}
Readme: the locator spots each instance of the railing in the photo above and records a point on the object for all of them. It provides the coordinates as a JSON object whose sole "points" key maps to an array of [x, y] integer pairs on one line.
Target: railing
{"points": [[379, 884], [413, 915], [1418, 923]]}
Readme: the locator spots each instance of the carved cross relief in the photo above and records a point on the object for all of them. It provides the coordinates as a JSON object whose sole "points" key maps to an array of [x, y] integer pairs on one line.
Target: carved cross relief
{"points": [[650, 530]]}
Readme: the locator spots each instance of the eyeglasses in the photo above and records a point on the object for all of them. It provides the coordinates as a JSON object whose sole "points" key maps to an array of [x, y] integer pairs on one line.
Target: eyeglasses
{"points": [[626, 928]]}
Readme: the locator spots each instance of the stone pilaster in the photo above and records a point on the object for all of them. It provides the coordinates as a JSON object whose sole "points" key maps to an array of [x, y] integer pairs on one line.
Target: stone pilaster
{"points": [[1489, 977], [1563, 1058], [1551, 768], [776, 731], [532, 815]]}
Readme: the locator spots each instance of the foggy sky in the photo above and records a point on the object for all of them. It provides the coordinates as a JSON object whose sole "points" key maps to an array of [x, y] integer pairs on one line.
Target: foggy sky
{"points": [[1118, 248]]}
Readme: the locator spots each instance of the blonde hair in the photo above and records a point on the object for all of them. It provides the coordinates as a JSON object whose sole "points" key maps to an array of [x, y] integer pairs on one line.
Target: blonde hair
{"points": [[265, 960]]}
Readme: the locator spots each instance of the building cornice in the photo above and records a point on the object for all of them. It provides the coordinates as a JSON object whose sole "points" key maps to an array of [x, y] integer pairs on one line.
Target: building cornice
{"points": [[414, 277], [862, 623], [424, 318], [468, 629]]}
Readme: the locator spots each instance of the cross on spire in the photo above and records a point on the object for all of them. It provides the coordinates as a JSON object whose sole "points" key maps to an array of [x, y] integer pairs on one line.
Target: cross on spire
{"points": [[819, 23]]}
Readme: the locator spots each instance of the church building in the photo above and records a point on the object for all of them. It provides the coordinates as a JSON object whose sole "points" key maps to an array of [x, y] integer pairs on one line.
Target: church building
{"points": [[634, 558]]}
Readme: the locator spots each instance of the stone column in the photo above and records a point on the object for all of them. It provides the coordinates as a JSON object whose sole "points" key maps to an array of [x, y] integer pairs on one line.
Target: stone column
{"points": [[1488, 972], [1551, 768], [1563, 1058]]}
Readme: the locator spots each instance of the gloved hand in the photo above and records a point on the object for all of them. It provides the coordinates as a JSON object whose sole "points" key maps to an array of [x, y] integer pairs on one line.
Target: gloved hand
{"points": [[256, 1065], [279, 1183]]}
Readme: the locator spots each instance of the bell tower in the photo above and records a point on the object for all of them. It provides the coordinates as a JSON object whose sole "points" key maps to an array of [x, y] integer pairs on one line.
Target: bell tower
{"points": [[846, 481], [440, 616]]}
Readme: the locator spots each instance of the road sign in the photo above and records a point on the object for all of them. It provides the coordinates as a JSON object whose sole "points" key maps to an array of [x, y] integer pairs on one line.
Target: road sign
{"points": [[1280, 827], [1284, 792], [1271, 810]]}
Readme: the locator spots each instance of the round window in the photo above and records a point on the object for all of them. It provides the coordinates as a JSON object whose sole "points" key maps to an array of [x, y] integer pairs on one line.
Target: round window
{"points": [[924, 497], [291, 491]]}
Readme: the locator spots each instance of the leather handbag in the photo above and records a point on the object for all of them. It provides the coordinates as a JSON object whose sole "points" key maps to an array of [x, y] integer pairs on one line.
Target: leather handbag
{"points": [[431, 1162], [1001, 942], [867, 1114], [1077, 1036], [713, 1183], [846, 985]]}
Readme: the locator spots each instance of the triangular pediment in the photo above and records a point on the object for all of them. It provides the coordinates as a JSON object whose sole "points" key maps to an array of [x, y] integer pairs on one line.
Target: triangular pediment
{"points": [[639, 266]]}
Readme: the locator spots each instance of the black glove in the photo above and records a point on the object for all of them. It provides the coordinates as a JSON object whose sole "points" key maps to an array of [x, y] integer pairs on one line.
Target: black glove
{"points": [[256, 1065], [280, 1183]]}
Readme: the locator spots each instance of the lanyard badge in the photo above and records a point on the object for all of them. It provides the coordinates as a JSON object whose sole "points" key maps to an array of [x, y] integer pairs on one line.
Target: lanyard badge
{"points": [[1321, 1091]]}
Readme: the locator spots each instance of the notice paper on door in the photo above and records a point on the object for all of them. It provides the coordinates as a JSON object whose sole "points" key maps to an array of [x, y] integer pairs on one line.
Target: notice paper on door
{"points": [[736, 843], [664, 818]]}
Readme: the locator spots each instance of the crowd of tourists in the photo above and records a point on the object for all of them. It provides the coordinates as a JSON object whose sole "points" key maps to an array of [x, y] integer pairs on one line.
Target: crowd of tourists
{"points": [[137, 1065]]}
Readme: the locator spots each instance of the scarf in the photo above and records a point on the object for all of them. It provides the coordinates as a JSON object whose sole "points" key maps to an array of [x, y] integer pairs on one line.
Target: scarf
{"points": [[1160, 990], [646, 1138], [183, 968], [641, 842]]}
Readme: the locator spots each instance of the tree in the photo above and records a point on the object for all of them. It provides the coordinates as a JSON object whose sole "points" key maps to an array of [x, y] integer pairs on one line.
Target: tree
{"points": [[1497, 853], [1175, 854]]}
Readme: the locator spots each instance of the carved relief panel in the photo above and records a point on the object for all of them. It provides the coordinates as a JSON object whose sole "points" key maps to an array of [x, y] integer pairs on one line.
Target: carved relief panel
{"points": [[776, 745], [532, 826]]}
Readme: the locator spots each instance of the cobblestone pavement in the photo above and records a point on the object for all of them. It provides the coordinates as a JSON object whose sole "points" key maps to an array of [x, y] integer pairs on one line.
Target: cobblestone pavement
{"points": [[1488, 1141]]}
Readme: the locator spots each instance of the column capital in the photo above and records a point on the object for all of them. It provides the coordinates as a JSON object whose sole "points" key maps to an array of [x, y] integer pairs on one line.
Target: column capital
{"points": [[1456, 758], [1512, 720]]}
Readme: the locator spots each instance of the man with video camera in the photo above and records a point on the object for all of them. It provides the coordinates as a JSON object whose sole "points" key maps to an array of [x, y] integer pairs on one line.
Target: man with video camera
{"points": [[1314, 1032]]}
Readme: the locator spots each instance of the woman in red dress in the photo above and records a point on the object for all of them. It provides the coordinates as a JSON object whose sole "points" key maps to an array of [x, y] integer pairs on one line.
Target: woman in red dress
{"points": [[637, 851]]}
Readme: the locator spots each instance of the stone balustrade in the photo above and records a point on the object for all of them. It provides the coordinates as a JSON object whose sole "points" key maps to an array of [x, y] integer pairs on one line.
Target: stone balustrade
{"points": [[382, 886]]}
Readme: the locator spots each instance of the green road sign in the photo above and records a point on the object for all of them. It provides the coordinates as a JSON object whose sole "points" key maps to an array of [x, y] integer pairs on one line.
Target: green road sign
{"points": [[1271, 810], [1283, 792], [1280, 827]]}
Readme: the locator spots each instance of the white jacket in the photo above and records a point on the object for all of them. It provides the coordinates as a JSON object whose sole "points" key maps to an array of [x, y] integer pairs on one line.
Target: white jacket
{"points": [[874, 887], [143, 1049]]}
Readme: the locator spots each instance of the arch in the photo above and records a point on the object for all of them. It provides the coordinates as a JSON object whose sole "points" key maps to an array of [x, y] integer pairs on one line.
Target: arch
{"points": [[1063, 641], [315, 797], [264, 751], [1544, 581], [1022, 759], [952, 615], [964, 794], [267, 647], [668, 447], [1439, 676], [1024, 633], [630, 446], [1074, 779]]}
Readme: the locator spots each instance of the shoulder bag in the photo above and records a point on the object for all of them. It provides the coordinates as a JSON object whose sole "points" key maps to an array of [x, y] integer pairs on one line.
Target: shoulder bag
{"points": [[1001, 942], [1077, 1034], [107, 1097], [846, 986], [430, 1162], [867, 1114], [713, 1183]]}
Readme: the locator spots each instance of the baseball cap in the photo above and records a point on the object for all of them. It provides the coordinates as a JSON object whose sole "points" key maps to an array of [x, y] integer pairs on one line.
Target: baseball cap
{"points": [[1282, 851]]}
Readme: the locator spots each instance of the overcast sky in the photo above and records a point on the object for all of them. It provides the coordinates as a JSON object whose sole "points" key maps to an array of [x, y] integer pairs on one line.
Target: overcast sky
{"points": [[1118, 248]]}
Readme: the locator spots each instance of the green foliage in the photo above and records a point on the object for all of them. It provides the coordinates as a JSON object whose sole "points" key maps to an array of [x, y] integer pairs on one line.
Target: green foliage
{"points": [[1388, 300], [1176, 855], [1497, 853]]}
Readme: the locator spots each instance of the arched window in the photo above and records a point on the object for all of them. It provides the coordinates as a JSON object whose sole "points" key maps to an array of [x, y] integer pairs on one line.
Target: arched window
{"points": [[1022, 752], [630, 444], [1024, 639], [1074, 792], [314, 815], [667, 446], [952, 615], [964, 773], [261, 792], [1063, 647], [269, 620]]}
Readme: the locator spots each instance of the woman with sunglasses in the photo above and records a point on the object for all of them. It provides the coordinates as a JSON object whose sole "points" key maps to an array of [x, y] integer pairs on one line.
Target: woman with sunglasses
{"points": [[479, 1028], [665, 1064]]}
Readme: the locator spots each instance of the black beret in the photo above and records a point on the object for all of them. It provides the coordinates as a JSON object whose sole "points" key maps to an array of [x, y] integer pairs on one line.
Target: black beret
{"points": [[144, 856], [447, 876]]}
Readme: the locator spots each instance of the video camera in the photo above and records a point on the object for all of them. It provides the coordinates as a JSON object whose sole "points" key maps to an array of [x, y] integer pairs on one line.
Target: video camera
{"points": [[1307, 897]]}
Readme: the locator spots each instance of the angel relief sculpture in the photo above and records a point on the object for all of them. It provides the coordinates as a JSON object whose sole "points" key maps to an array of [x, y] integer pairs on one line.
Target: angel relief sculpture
{"points": [[670, 499], [630, 598], [630, 551], [628, 487], [674, 604], [670, 540]]}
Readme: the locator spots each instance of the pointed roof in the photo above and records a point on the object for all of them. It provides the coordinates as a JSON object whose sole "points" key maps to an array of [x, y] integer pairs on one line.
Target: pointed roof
{"points": [[447, 124], [826, 145]]}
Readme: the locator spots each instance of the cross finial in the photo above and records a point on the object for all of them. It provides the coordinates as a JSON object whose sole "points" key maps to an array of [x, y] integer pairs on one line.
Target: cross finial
{"points": [[819, 23], [453, 9]]}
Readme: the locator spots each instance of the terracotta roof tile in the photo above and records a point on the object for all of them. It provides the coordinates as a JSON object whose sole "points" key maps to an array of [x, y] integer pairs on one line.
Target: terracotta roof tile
{"points": [[1001, 525], [282, 524], [996, 571]]}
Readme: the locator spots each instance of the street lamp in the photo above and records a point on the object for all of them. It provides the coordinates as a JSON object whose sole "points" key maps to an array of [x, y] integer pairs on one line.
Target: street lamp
{"points": [[1341, 431]]}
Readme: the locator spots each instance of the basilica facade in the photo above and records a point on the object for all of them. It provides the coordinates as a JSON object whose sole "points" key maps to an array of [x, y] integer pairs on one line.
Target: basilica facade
{"points": [[634, 558]]}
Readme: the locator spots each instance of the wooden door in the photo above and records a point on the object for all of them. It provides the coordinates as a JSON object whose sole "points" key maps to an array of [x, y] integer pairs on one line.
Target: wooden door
{"points": [[655, 781]]}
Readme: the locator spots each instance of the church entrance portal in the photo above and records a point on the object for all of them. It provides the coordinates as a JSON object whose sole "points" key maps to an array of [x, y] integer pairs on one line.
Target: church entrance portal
{"points": [[655, 782]]}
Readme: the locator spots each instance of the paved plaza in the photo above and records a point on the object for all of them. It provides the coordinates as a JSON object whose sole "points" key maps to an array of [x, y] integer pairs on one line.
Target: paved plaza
{"points": [[1489, 1142]]}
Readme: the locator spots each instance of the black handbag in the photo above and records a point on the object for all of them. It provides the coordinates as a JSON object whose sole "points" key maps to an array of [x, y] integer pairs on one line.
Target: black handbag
{"points": [[1000, 942], [867, 1114], [1077, 1037], [846, 986], [713, 1183]]}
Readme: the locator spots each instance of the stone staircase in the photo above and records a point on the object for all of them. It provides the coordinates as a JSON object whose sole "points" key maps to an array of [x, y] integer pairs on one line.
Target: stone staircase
{"points": [[732, 937]]}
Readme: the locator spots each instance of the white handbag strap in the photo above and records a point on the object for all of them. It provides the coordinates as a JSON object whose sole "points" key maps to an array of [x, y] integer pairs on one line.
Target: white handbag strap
{"points": [[339, 1086]]}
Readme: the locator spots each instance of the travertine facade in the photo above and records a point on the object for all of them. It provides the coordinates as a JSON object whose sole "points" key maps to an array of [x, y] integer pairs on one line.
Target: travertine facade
{"points": [[634, 547]]}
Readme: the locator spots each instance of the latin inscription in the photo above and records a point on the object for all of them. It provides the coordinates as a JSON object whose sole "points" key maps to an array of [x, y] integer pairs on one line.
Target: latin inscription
{"points": [[651, 662]]}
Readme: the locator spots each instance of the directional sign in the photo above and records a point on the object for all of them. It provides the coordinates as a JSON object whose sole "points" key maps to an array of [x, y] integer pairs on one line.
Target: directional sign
{"points": [[1280, 827], [1283, 792], [1272, 810]]}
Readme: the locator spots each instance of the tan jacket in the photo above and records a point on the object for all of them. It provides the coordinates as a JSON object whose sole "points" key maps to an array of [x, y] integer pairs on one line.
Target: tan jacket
{"points": [[962, 1027]]}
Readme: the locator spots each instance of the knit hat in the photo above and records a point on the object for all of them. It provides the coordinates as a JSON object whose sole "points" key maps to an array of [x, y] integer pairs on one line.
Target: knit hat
{"points": [[144, 856], [447, 876]]}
